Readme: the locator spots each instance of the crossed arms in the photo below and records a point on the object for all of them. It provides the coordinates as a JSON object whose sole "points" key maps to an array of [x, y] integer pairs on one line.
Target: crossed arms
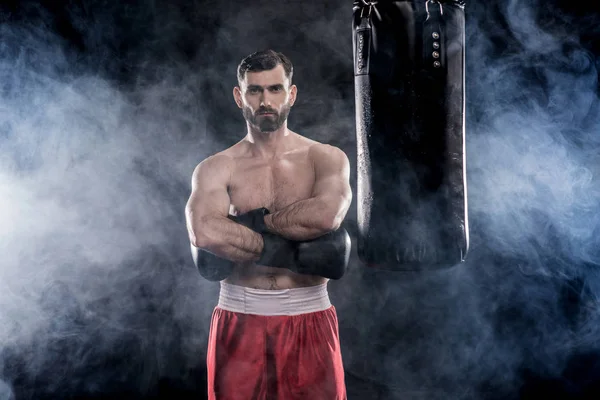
{"points": [[323, 212]]}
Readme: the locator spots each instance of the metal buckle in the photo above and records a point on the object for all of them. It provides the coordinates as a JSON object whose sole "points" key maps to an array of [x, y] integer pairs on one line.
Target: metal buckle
{"points": [[436, 2], [365, 4]]}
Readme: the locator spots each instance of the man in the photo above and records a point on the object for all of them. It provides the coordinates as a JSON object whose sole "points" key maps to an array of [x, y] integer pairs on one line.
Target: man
{"points": [[272, 205]]}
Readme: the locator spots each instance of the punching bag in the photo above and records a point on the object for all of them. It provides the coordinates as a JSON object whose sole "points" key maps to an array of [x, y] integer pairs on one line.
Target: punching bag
{"points": [[409, 73]]}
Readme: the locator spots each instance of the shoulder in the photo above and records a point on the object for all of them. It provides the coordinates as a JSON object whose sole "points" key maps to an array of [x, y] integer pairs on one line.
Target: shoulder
{"points": [[217, 165], [216, 161], [320, 152]]}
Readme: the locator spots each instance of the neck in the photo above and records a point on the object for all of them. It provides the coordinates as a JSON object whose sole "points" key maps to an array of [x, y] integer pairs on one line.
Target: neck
{"points": [[268, 144]]}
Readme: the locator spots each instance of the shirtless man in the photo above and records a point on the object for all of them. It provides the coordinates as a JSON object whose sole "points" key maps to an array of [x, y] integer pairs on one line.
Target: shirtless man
{"points": [[264, 219]]}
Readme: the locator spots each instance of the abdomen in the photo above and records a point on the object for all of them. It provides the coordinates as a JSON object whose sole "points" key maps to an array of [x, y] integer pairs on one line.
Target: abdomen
{"points": [[270, 278]]}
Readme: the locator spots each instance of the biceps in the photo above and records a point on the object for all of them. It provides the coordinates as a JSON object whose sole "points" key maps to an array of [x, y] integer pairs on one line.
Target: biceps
{"points": [[332, 173], [334, 187], [207, 204]]}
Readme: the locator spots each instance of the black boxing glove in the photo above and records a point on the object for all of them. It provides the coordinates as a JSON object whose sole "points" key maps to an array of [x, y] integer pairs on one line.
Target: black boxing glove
{"points": [[254, 219], [211, 267], [277, 251], [325, 256]]}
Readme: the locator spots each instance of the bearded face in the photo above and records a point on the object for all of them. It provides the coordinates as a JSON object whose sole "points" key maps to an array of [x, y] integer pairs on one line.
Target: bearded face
{"points": [[265, 98], [266, 119]]}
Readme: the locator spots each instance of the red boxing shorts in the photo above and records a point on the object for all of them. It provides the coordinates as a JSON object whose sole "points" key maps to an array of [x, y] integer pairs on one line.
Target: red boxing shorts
{"points": [[274, 345]]}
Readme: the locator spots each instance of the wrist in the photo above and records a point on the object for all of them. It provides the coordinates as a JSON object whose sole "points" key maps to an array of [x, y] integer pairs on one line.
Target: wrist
{"points": [[254, 219]]}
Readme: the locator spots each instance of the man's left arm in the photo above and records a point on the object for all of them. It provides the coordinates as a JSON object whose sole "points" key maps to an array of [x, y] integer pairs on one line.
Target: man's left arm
{"points": [[325, 210]]}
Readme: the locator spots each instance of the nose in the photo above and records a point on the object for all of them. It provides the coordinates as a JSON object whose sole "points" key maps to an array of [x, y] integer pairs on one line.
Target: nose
{"points": [[265, 100]]}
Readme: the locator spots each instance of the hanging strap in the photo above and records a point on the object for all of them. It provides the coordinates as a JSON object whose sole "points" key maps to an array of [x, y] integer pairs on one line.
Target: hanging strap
{"points": [[362, 41], [434, 41]]}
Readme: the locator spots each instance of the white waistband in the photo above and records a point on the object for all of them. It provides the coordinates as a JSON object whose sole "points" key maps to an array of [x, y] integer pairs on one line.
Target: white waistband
{"points": [[273, 302]]}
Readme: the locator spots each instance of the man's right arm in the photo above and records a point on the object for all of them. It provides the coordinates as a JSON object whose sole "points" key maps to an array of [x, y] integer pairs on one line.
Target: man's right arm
{"points": [[207, 211]]}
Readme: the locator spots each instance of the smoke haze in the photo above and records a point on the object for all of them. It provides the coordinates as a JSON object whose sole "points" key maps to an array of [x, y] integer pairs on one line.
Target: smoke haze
{"points": [[105, 110]]}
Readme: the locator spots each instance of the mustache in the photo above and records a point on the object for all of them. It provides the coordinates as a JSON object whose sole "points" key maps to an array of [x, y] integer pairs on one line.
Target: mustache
{"points": [[265, 111]]}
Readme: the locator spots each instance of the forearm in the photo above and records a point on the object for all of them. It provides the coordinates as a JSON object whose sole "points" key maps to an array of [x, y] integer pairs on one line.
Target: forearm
{"points": [[227, 239], [325, 256], [305, 219]]}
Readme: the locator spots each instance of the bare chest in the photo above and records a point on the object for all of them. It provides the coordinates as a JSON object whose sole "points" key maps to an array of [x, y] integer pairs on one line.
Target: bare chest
{"points": [[273, 184]]}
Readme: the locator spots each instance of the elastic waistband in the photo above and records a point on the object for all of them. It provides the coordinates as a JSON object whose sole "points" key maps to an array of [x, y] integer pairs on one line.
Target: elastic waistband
{"points": [[273, 302]]}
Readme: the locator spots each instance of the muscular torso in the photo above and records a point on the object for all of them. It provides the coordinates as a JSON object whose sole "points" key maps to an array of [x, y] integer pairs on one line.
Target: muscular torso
{"points": [[274, 184]]}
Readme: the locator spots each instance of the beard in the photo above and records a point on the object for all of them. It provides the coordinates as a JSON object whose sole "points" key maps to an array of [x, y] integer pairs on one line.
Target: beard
{"points": [[268, 123]]}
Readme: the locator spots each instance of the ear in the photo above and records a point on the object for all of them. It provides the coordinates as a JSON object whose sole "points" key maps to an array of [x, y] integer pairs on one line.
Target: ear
{"points": [[237, 96], [293, 93]]}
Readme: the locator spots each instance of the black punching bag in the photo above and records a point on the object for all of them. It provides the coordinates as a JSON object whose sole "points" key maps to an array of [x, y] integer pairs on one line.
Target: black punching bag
{"points": [[409, 73]]}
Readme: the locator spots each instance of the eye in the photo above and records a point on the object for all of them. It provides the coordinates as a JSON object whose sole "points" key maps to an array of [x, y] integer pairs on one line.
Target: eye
{"points": [[253, 90], [276, 89]]}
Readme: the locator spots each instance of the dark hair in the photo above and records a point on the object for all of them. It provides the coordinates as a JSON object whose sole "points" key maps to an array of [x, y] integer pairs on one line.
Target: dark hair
{"points": [[264, 61]]}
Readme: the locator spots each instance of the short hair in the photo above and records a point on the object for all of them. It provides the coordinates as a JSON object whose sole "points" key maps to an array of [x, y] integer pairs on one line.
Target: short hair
{"points": [[263, 61]]}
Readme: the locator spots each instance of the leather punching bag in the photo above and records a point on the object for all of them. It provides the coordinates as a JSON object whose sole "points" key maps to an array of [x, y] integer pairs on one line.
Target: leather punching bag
{"points": [[409, 72]]}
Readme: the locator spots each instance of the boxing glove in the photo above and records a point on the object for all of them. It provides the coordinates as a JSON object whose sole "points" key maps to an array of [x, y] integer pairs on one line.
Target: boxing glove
{"points": [[277, 251], [325, 256], [211, 267]]}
